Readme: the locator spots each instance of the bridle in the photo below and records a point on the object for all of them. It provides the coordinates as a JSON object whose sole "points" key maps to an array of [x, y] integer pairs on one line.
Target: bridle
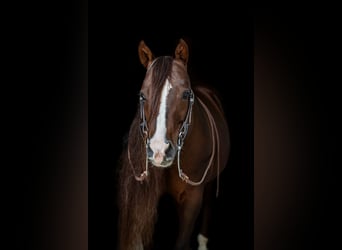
{"points": [[183, 131]]}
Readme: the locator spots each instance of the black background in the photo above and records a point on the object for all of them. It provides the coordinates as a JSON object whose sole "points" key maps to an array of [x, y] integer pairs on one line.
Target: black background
{"points": [[282, 63], [296, 81]]}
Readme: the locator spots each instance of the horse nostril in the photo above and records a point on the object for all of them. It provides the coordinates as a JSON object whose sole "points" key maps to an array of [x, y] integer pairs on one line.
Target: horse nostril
{"points": [[170, 151]]}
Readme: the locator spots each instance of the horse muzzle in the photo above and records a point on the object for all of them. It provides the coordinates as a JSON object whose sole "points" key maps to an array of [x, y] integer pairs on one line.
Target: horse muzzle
{"points": [[161, 156]]}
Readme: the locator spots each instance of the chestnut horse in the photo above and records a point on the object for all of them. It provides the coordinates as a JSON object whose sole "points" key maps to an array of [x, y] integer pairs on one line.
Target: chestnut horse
{"points": [[178, 144]]}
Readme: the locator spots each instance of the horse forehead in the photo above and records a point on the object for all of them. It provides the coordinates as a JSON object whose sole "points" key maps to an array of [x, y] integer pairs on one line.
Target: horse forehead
{"points": [[148, 79], [179, 74]]}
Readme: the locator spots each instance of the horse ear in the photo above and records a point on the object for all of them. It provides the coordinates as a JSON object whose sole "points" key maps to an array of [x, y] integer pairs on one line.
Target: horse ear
{"points": [[145, 54], [182, 51]]}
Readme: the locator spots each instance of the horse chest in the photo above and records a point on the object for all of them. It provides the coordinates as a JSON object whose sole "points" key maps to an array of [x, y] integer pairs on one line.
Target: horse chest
{"points": [[176, 187]]}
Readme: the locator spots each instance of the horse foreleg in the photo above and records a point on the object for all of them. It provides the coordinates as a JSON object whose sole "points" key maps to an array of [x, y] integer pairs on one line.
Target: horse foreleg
{"points": [[206, 213], [189, 207], [139, 246]]}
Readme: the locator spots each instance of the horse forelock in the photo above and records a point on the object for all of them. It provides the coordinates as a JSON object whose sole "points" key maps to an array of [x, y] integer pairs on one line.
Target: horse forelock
{"points": [[161, 70]]}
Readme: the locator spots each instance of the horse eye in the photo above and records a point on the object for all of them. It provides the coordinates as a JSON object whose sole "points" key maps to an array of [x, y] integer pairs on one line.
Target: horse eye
{"points": [[142, 97], [186, 94]]}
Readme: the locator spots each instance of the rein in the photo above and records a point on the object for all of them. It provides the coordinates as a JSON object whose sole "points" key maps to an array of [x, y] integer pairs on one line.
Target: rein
{"points": [[215, 138], [180, 141]]}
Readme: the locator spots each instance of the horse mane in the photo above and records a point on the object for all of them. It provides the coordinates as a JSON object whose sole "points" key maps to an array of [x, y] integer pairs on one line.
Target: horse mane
{"points": [[138, 211]]}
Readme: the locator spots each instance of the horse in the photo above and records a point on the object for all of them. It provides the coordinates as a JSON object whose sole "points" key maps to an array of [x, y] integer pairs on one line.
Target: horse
{"points": [[178, 144]]}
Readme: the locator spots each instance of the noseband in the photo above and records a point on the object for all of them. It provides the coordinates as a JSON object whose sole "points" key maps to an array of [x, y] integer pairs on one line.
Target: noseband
{"points": [[183, 131]]}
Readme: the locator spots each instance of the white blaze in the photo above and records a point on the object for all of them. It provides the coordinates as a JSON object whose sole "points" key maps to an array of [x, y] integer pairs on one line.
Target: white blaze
{"points": [[157, 142]]}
